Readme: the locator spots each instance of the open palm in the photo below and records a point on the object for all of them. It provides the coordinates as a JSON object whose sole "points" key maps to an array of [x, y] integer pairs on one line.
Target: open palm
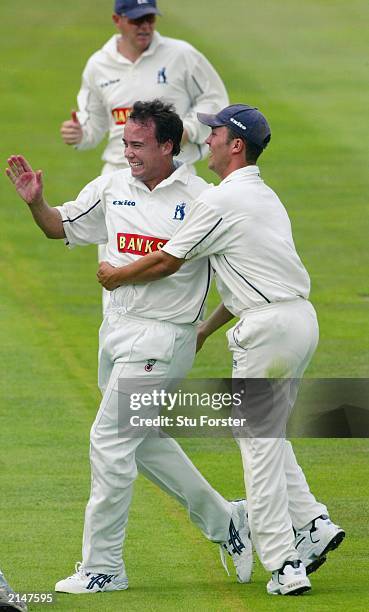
{"points": [[26, 181]]}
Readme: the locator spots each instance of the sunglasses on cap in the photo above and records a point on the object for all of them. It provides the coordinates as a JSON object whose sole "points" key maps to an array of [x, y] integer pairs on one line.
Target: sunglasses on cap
{"points": [[150, 18]]}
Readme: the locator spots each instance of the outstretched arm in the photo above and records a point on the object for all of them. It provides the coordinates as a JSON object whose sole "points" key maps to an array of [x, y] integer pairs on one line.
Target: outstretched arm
{"points": [[148, 268], [217, 319], [28, 185]]}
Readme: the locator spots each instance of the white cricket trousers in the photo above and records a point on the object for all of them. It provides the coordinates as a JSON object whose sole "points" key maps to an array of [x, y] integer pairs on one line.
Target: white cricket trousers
{"points": [[275, 341], [126, 346]]}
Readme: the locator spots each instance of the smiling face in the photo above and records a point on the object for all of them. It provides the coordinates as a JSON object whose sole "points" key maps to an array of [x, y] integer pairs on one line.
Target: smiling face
{"points": [[150, 161], [136, 34], [220, 149]]}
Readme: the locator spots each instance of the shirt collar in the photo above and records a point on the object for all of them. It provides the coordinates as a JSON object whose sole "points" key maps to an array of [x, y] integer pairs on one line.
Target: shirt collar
{"points": [[156, 41], [245, 172], [180, 174]]}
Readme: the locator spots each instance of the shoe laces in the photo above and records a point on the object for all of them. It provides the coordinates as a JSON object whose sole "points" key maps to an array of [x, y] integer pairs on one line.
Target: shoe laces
{"points": [[80, 571], [223, 558], [234, 547]]}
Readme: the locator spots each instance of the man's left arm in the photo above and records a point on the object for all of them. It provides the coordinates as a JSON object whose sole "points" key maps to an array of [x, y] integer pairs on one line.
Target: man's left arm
{"points": [[197, 237], [146, 269]]}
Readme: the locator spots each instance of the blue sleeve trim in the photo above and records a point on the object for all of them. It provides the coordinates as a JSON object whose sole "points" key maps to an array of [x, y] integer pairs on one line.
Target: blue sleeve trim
{"points": [[206, 293], [246, 281], [68, 220], [197, 84], [206, 235]]}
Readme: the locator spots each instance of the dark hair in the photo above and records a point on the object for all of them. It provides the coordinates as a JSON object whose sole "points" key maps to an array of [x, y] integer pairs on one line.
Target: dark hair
{"points": [[252, 151], [168, 124]]}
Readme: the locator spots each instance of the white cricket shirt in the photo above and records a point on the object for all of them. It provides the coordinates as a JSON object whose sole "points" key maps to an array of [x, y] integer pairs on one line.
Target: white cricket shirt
{"points": [[245, 229], [121, 211], [170, 69]]}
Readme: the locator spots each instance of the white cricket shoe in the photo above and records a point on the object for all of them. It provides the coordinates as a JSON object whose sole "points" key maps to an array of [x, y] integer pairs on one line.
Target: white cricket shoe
{"points": [[91, 582], [315, 540], [290, 579], [238, 545]]}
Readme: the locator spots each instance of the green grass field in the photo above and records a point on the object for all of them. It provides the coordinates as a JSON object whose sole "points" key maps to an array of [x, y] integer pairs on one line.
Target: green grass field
{"points": [[306, 66]]}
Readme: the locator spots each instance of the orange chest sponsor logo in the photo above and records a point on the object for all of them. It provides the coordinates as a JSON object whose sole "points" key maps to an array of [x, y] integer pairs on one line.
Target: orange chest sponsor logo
{"points": [[120, 115], [136, 244]]}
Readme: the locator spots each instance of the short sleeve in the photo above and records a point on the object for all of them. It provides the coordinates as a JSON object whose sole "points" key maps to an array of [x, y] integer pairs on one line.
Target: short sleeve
{"points": [[84, 218], [199, 235]]}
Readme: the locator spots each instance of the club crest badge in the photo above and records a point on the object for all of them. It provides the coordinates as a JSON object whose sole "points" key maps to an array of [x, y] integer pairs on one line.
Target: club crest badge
{"points": [[162, 77], [149, 365], [179, 212]]}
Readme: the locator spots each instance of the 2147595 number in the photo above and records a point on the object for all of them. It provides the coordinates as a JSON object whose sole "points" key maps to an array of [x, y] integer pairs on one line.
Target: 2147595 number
{"points": [[42, 598]]}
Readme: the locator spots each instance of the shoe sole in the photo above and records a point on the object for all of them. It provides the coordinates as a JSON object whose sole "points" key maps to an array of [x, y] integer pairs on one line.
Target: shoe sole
{"points": [[332, 545], [90, 592], [299, 590], [122, 587], [315, 565], [296, 586]]}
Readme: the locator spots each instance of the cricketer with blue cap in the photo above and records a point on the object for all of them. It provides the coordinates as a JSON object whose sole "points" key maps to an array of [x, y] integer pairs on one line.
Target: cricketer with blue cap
{"points": [[138, 63], [244, 228]]}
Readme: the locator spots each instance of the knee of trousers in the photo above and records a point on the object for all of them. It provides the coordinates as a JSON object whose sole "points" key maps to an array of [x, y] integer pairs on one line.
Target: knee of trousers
{"points": [[266, 508], [112, 461]]}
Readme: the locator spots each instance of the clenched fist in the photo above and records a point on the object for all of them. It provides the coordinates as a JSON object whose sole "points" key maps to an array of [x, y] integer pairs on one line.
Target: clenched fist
{"points": [[71, 130]]}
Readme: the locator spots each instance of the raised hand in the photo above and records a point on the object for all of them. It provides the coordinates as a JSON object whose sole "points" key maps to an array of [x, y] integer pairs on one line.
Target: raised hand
{"points": [[71, 130], [26, 181]]}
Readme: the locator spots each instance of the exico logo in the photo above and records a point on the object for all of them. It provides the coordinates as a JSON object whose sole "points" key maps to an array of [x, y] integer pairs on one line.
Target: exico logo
{"points": [[136, 244], [124, 203], [121, 115]]}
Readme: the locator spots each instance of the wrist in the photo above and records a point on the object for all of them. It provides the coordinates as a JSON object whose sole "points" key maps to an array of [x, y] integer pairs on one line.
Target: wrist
{"points": [[117, 277], [37, 203], [203, 330]]}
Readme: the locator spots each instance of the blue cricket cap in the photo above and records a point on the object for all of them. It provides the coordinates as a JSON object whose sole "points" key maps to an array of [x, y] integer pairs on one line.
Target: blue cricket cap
{"points": [[134, 9], [246, 121]]}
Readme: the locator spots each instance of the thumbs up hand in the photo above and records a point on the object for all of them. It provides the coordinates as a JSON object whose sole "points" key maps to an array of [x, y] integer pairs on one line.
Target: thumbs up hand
{"points": [[71, 130]]}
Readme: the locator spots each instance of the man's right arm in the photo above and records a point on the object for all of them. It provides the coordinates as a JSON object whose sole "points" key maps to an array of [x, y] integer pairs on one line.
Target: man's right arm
{"points": [[80, 221], [88, 128], [28, 185]]}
